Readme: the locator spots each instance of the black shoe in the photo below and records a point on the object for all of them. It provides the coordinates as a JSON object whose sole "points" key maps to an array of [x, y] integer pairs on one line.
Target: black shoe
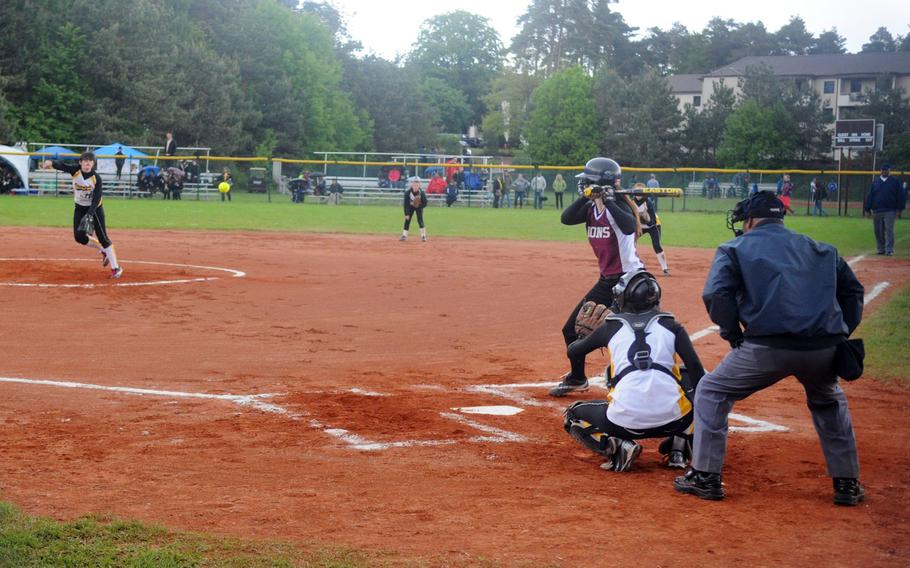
{"points": [[848, 491], [704, 485], [567, 385]]}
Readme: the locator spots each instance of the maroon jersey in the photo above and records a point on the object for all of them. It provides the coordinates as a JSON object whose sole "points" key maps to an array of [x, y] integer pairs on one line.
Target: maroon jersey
{"points": [[615, 250]]}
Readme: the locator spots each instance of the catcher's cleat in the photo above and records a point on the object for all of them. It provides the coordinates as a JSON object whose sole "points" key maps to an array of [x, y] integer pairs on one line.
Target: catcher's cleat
{"points": [[704, 485], [625, 455], [117, 272], [104, 259], [848, 491], [676, 458], [567, 385]]}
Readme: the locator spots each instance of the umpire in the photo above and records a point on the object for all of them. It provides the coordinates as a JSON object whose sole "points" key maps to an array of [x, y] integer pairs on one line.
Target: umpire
{"points": [[796, 300]]}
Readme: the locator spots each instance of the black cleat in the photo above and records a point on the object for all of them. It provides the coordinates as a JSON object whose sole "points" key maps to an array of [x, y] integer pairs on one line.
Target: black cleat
{"points": [[567, 385], [848, 491], [625, 455], [704, 485], [677, 458]]}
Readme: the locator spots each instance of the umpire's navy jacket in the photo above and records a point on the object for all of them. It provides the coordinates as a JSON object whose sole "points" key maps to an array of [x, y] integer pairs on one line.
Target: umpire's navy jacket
{"points": [[885, 195], [785, 289]]}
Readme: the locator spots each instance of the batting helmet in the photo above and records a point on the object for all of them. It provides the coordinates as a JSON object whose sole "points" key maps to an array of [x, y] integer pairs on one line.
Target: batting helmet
{"points": [[599, 171], [636, 292]]}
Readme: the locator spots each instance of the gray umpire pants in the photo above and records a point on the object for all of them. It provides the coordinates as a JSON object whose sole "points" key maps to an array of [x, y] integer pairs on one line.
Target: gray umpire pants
{"points": [[883, 223], [751, 368]]}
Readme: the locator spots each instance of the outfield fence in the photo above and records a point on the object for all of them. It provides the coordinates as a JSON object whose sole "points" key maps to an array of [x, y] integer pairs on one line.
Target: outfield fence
{"points": [[368, 179]]}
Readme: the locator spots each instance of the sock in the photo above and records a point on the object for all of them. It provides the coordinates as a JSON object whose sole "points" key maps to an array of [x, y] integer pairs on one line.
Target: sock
{"points": [[404, 233], [109, 251], [662, 259], [423, 232]]}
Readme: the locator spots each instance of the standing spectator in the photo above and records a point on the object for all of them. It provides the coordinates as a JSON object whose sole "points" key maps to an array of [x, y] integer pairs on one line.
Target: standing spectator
{"points": [[497, 191], [225, 184], [451, 193], [559, 188], [335, 192], [784, 191], [119, 161], [539, 186], [885, 200], [176, 186], [653, 184], [414, 202], [170, 148], [521, 186], [505, 202], [818, 194], [784, 315]]}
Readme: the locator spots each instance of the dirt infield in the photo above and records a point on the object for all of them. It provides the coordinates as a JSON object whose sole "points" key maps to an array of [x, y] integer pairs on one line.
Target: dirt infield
{"points": [[366, 346]]}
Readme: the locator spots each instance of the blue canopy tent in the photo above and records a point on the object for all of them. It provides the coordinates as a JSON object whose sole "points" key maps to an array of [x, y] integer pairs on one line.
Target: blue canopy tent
{"points": [[55, 153], [108, 165]]}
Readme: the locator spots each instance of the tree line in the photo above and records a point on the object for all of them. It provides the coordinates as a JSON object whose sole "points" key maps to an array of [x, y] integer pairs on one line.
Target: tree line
{"points": [[281, 77]]}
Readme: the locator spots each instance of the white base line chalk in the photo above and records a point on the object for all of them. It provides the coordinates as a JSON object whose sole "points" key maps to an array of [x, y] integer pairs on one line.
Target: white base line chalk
{"points": [[231, 271]]}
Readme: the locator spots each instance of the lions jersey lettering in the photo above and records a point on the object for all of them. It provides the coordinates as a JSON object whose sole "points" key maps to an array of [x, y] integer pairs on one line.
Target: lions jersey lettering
{"points": [[83, 189], [615, 250], [649, 398]]}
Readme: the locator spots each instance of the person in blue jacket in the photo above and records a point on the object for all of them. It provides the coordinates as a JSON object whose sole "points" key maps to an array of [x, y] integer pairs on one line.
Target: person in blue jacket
{"points": [[885, 199], [784, 302]]}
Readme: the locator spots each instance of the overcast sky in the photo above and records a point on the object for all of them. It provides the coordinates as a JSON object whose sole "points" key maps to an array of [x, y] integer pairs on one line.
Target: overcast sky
{"points": [[390, 27]]}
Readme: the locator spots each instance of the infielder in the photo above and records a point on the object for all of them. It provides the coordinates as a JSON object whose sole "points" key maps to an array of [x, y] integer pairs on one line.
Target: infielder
{"points": [[650, 224], [88, 216], [650, 394], [415, 199]]}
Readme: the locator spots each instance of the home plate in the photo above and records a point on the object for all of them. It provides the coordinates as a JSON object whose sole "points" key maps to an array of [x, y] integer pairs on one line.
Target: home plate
{"points": [[504, 410]]}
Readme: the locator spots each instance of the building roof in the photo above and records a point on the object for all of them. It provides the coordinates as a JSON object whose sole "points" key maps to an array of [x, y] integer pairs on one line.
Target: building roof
{"points": [[690, 83], [856, 64]]}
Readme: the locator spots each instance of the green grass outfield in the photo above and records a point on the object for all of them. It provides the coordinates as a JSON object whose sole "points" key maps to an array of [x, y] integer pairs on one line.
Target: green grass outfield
{"points": [[851, 235]]}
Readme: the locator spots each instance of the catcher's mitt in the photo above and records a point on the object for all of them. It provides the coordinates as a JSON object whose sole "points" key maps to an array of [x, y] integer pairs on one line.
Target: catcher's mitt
{"points": [[87, 224], [590, 317]]}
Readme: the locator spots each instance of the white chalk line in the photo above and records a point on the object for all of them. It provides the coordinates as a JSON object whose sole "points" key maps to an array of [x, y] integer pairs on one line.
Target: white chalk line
{"points": [[234, 273], [255, 401], [876, 291]]}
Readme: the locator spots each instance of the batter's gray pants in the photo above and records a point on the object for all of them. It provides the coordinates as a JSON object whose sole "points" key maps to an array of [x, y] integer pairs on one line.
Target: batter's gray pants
{"points": [[751, 368], [883, 222]]}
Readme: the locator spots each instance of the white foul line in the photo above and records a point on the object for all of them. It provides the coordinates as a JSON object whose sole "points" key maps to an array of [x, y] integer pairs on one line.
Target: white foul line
{"points": [[876, 290], [234, 273]]}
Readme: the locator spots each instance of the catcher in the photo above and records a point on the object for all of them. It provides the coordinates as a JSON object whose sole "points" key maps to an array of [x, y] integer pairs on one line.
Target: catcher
{"points": [[88, 216], [415, 199], [649, 393]]}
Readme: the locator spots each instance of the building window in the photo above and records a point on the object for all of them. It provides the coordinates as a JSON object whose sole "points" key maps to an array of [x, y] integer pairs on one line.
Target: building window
{"points": [[696, 100], [829, 87], [856, 86]]}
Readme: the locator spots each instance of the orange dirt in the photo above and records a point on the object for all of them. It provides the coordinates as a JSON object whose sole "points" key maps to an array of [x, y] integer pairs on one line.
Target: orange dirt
{"points": [[318, 315]]}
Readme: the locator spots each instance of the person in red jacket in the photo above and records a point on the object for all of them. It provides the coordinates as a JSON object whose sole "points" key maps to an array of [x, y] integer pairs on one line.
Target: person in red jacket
{"points": [[437, 185]]}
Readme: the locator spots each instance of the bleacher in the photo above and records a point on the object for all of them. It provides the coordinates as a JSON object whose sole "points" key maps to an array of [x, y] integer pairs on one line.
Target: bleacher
{"points": [[45, 182], [695, 188], [366, 190]]}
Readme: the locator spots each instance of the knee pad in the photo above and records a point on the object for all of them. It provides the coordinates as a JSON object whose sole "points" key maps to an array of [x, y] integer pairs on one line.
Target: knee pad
{"points": [[589, 436]]}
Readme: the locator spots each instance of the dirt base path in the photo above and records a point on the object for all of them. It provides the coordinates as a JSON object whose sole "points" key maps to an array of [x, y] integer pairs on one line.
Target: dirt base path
{"points": [[367, 345]]}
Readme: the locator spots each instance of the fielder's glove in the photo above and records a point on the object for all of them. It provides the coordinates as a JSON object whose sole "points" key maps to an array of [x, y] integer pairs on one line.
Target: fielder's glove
{"points": [[87, 224], [590, 317]]}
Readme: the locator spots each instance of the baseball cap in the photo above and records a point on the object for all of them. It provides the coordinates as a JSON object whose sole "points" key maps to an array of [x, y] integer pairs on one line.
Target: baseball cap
{"points": [[886, 166], [764, 204]]}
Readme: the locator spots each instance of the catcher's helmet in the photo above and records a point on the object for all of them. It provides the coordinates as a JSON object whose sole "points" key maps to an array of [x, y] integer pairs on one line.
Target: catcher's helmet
{"points": [[636, 292], [762, 205], [600, 171]]}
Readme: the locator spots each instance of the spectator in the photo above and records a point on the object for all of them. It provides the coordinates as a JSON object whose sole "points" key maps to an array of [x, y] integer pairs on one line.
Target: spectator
{"points": [[505, 202], [437, 184], [335, 192], [175, 183], [818, 195], [521, 186], [885, 200], [225, 183], [785, 190], [539, 186], [559, 188], [119, 161], [653, 184], [170, 148], [451, 193]]}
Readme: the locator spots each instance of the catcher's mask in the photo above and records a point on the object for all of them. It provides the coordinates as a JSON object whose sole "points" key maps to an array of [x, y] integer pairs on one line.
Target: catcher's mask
{"points": [[637, 291], [762, 205]]}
